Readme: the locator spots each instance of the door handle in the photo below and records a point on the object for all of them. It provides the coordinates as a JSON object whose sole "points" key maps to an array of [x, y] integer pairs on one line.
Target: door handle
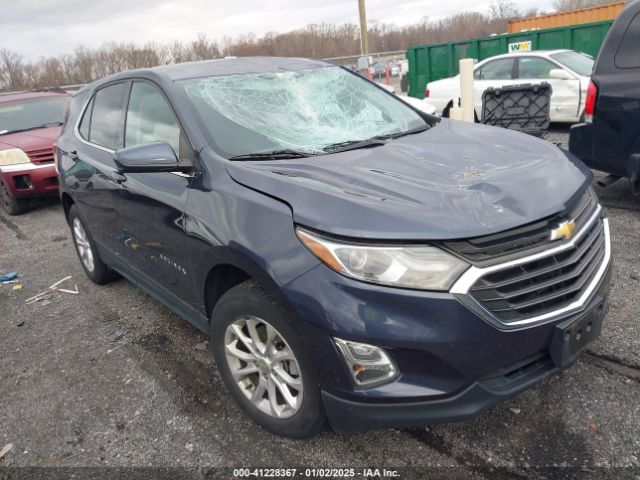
{"points": [[117, 177], [73, 155]]}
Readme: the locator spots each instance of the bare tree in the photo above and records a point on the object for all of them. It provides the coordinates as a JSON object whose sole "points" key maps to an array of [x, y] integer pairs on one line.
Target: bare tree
{"points": [[11, 70], [315, 40], [569, 5], [503, 10]]}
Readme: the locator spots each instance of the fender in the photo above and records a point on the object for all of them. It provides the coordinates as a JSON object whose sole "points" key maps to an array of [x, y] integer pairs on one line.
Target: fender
{"points": [[228, 256]]}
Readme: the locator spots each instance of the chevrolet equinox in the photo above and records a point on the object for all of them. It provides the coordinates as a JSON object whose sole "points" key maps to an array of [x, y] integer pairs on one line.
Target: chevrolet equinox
{"points": [[351, 258]]}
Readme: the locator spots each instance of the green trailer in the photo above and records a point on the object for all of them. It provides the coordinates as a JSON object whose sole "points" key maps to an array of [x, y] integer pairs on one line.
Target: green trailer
{"points": [[428, 63]]}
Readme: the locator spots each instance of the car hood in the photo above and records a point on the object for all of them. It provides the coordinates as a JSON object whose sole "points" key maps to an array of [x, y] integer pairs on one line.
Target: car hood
{"points": [[30, 140], [455, 180]]}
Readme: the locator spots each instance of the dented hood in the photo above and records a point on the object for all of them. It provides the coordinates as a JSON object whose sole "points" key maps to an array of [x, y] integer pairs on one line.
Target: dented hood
{"points": [[455, 180]]}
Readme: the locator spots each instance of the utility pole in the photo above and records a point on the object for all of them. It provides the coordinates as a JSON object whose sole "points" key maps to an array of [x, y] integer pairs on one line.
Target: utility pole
{"points": [[364, 39]]}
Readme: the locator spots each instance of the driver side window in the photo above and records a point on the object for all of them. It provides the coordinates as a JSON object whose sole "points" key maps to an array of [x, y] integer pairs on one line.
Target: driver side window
{"points": [[150, 118]]}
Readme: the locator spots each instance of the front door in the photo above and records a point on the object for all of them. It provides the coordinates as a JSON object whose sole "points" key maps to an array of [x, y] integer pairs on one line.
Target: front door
{"points": [[150, 206]]}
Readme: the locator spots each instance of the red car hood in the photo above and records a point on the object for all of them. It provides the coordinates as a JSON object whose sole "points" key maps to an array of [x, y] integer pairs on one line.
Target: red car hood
{"points": [[31, 140]]}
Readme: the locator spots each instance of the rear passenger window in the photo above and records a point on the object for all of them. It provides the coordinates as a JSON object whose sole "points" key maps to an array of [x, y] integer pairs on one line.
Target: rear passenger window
{"points": [[107, 117], [628, 54], [497, 70], [150, 118]]}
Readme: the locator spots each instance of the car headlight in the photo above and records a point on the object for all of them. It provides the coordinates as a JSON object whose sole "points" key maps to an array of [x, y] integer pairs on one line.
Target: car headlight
{"points": [[369, 365], [409, 266], [13, 156]]}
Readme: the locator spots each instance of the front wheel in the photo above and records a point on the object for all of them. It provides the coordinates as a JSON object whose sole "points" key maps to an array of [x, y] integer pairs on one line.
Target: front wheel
{"points": [[10, 204], [262, 363]]}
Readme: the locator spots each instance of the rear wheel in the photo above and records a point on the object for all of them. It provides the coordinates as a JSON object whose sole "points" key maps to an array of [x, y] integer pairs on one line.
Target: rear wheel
{"points": [[446, 110], [11, 205], [92, 265], [263, 364]]}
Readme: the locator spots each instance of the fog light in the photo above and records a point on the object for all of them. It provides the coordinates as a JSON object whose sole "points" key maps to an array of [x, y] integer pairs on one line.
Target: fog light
{"points": [[369, 365]]}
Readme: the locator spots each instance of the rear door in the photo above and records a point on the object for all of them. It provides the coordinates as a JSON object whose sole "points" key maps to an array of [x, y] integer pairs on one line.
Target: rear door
{"points": [[565, 96], [495, 73], [90, 177]]}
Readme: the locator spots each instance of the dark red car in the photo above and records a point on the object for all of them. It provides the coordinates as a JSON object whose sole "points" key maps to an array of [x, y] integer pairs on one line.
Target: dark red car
{"points": [[30, 123]]}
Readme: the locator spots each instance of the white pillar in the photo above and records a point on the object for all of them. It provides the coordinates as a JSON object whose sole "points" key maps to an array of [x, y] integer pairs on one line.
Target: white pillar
{"points": [[466, 89]]}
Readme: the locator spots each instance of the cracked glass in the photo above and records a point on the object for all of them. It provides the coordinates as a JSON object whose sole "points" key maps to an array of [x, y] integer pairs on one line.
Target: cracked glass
{"points": [[305, 110]]}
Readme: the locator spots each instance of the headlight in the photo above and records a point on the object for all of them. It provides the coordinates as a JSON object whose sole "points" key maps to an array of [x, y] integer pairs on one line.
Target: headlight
{"points": [[369, 365], [408, 266], [13, 156]]}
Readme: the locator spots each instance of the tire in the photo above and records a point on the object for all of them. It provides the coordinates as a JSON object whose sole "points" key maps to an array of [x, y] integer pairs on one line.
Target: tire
{"points": [[11, 205], [245, 305], [445, 110], [97, 271]]}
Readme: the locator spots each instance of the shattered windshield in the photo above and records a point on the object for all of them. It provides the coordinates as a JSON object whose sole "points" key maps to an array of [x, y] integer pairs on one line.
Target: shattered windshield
{"points": [[303, 111]]}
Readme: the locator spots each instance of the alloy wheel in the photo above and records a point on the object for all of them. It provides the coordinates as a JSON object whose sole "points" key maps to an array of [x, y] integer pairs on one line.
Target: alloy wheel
{"points": [[263, 366], [82, 242]]}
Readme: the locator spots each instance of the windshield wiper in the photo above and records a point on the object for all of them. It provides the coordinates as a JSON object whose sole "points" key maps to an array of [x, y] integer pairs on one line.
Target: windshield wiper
{"points": [[353, 145], [419, 129], [42, 125], [376, 141], [272, 155]]}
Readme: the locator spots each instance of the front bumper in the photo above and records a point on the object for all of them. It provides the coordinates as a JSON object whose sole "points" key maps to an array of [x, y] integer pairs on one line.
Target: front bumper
{"points": [[453, 361], [348, 416], [27, 180]]}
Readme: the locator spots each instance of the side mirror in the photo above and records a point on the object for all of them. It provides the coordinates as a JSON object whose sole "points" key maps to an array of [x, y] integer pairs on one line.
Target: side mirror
{"points": [[149, 157], [560, 74]]}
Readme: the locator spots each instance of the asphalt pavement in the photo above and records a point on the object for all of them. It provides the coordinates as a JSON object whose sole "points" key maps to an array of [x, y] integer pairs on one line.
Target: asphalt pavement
{"points": [[109, 377]]}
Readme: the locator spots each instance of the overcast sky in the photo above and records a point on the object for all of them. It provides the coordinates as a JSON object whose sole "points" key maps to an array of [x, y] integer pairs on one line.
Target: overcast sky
{"points": [[53, 27]]}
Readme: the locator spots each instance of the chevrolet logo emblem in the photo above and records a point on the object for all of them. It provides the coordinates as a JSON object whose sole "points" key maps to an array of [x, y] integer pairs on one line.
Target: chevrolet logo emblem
{"points": [[563, 230]]}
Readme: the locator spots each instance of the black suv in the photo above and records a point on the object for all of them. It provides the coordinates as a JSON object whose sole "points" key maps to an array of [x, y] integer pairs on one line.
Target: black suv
{"points": [[609, 140], [350, 256]]}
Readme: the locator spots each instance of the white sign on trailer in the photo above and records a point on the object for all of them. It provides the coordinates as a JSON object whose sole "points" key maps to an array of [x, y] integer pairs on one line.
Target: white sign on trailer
{"points": [[520, 47]]}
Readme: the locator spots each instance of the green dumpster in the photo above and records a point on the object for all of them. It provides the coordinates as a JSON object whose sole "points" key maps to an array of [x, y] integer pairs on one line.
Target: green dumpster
{"points": [[428, 63]]}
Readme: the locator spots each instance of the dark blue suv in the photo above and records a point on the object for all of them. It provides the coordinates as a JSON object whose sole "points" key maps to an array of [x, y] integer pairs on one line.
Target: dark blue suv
{"points": [[351, 258]]}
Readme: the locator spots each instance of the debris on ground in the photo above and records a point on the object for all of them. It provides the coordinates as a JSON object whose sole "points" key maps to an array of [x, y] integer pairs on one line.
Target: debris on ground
{"points": [[515, 411], [114, 336], [202, 346], [47, 294], [7, 448], [7, 277]]}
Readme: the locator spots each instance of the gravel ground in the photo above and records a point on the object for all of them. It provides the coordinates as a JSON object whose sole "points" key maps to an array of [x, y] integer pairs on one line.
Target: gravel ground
{"points": [[72, 398]]}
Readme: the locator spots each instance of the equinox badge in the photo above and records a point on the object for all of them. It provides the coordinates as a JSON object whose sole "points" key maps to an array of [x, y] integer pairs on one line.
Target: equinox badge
{"points": [[563, 230]]}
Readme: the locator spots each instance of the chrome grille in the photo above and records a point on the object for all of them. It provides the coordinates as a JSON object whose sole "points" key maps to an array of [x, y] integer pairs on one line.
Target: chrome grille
{"points": [[545, 284], [525, 240]]}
